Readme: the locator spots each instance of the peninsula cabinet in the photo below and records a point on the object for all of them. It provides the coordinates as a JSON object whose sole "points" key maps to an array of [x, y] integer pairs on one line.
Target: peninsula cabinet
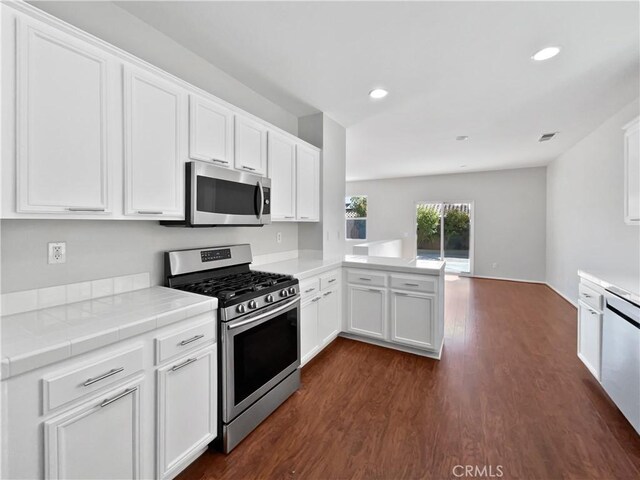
{"points": [[62, 122], [632, 172], [210, 131], [98, 439], [367, 310], [154, 136], [413, 318], [250, 145]]}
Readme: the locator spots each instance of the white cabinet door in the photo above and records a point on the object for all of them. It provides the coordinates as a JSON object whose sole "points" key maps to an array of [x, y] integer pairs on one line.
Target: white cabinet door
{"points": [[413, 317], [250, 146], [187, 409], [210, 131], [308, 181], [367, 311], [154, 122], [632, 173], [282, 171], [590, 337], [62, 122], [98, 439], [309, 330], [329, 317]]}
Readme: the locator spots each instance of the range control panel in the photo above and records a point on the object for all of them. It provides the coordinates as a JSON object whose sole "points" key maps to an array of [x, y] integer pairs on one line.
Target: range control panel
{"points": [[213, 255]]}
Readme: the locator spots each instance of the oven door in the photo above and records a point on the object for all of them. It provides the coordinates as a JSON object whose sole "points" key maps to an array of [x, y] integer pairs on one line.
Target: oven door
{"points": [[258, 352], [220, 196]]}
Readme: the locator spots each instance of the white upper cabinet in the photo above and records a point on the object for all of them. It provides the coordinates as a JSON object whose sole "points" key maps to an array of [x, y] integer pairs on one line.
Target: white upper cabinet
{"points": [[62, 122], [210, 131], [308, 181], [632, 172], [282, 171], [154, 153], [250, 145]]}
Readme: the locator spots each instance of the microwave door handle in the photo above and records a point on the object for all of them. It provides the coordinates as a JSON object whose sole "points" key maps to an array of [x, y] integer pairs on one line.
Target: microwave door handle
{"points": [[261, 209]]}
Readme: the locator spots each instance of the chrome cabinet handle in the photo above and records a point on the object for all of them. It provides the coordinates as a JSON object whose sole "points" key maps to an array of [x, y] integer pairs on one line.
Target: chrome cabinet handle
{"points": [[77, 209], [401, 294], [118, 397], [366, 279], [111, 372], [261, 200], [189, 361], [374, 290], [593, 312], [219, 161], [586, 295], [315, 299], [191, 340], [305, 218], [332, 280], [411, 284], [327, 294], [149, 212], [309, 290], [249, 168], [289, 217]]}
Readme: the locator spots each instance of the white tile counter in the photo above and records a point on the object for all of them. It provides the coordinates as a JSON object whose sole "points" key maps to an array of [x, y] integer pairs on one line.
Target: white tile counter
{"points": [[33, 339], [301, 267], [628, 283]]}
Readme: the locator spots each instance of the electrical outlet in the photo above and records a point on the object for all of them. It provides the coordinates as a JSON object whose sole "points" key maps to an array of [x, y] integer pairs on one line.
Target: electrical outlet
{"points": [[279, 237], [57, 252]]}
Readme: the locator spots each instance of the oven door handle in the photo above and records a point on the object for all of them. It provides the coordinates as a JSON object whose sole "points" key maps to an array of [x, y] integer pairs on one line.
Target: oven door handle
{"points": [[263, 316], [261, 209]]}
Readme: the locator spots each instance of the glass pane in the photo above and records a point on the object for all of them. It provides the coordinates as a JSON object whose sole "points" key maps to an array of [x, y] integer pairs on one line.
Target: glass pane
{"points": [[262, 352], [224, 197], [457, 234], [356, 207], [428, 233], [357, 229]]}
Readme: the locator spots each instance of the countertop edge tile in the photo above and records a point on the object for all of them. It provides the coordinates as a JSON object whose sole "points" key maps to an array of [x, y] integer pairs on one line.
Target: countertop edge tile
{"points": [[598, 279]]}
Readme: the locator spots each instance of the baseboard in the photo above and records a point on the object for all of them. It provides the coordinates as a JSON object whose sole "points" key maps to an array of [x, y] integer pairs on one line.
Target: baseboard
{"points": [[507, 279], [395, 346], [564, 297]]}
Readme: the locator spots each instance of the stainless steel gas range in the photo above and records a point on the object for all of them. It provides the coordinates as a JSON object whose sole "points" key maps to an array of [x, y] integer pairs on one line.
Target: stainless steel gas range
{"points": [[259, 332]]}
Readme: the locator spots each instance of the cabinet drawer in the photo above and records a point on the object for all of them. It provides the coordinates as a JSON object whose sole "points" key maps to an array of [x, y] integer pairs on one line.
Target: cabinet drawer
{"points": [[329, 280], [591, 297], [59, 389], [309, 287], [185, 339], [419, 284], [366, 278]]}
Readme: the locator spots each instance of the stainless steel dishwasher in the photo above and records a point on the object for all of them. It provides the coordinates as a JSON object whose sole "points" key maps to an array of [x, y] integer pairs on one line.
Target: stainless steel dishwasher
{"points": [[621, 354]]}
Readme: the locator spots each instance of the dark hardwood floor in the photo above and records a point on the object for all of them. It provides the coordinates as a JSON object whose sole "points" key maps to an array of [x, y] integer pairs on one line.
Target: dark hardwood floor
{"points": [[509, 392]]}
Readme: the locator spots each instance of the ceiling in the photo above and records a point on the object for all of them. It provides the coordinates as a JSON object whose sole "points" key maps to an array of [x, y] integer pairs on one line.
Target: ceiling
{"points": [[452, 68]]}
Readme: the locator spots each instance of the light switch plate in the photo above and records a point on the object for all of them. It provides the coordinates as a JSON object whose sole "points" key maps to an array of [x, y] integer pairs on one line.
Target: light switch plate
{"points": [[57, 252]]}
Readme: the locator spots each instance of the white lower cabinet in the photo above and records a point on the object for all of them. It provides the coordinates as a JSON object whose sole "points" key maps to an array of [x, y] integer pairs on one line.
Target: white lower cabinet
{"points": [[98, 439], [367, 311], [413, 318], [187, 409], [309, 344], [329, 317], [589, 337]]}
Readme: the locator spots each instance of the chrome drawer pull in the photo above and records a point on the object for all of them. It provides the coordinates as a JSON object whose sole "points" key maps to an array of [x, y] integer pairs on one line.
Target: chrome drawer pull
{"points": [[75, 209], [191, 340], [593, 312], [149, 212], [366, 279], [309, 290], [248, 168], [412, 284], [327, 294], [586, 295], [305, 218], [91, 381], [118, 397], [374, 290], [315, 299], [219, 161], [402, 294], [332, 280], [289, 217], [183, 364]]}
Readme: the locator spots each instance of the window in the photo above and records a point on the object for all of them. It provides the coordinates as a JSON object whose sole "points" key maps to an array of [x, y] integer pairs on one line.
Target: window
{"points": [[356, 217]]}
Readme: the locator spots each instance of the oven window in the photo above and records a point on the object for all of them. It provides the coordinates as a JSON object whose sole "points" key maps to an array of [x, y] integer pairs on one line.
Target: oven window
{"points": [[224, 197], [260, 353]]}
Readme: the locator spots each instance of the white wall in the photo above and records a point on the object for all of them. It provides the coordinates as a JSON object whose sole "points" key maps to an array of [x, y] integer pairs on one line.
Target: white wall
{"points": [[509, 215], [585, 223], [98, 249]]}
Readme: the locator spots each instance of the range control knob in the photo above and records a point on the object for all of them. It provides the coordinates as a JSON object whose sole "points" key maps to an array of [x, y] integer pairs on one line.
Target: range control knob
{"points": [[292, 290], [284, 293], [240, 309], [269, 298], [252, 304]]}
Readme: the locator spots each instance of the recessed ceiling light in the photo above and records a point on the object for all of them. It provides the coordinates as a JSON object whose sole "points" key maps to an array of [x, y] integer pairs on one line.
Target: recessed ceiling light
{"points": [[462, 138], [378, 93], [546, 53]]}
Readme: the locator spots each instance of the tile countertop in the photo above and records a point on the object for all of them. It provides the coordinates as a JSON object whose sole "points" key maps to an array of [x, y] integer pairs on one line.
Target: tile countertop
{"points": [[33, 339], [302, 268], [629, 284]]}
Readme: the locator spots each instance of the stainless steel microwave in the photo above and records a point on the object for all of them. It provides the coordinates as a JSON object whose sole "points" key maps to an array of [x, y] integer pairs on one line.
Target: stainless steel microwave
{"points": [[218, 196]]}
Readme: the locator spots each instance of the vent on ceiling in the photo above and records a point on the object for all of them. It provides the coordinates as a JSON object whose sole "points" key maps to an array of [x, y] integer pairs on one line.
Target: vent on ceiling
{"points": [[547, 136]]}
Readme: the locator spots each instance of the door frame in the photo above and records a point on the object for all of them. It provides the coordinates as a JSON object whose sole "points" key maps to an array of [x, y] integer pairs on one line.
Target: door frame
{"points": [[471, 232]]}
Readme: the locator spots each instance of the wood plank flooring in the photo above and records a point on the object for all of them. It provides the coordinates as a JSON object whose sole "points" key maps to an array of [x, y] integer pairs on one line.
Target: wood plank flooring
{"points": [[509, 392]]}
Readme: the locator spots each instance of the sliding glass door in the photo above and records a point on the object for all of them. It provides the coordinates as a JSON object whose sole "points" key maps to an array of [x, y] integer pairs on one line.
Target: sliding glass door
{"points": [[444, 232]]}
